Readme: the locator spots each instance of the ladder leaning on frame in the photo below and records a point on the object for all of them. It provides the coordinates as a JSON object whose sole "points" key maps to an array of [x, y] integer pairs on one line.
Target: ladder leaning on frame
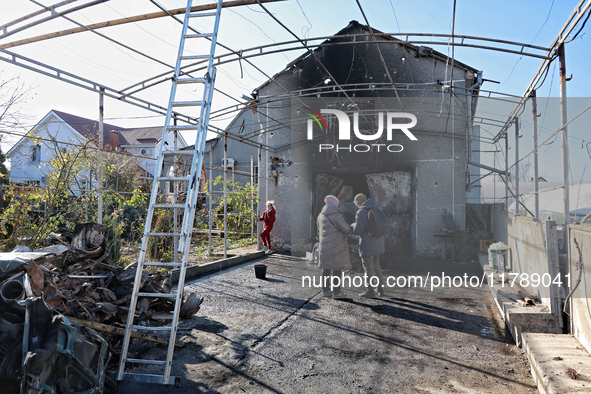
{"points": [[162, 181]]}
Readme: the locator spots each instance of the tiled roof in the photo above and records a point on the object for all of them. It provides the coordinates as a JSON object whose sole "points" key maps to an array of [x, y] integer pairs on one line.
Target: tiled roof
{"points": [[143, 135], [90, 128], [127, 136]]}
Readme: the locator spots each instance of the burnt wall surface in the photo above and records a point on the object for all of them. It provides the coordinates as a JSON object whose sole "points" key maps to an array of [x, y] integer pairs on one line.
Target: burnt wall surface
{"points": [[437, 166], [437, 160]]}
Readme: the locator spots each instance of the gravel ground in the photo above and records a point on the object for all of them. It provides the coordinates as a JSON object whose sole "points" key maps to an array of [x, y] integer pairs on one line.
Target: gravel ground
{"points": [[274, 336]]}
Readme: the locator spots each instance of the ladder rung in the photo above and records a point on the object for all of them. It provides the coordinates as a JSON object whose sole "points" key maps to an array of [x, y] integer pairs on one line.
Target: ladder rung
{"points": [[190, 80], [140, 361], [157, 295], [199, 35], [145, 328], [194, 57], [177, 153], [161, 264], [197, 15], [145, 378], [173, 178], [187, 103], [178, 234], [183, 127], [164, 234]]}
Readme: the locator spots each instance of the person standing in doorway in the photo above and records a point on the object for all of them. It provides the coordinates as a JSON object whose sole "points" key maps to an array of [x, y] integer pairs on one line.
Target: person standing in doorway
{"points": [[370, 247], [269, 218], [333, 249]]}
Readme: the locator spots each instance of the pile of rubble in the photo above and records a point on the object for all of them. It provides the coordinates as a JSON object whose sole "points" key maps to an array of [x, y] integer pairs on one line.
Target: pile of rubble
{"points": [[63, 310]]}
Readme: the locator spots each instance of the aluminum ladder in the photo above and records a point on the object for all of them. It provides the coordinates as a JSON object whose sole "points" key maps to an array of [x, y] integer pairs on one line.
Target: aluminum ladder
{"points": [[163, 180]]}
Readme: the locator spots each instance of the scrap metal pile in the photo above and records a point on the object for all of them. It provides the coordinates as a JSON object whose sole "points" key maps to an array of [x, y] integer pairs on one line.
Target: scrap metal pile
{"points": [[54, 300]]}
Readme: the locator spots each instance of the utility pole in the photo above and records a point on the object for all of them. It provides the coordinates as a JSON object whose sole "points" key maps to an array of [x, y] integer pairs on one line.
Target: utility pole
{"points": [[534, 109], [563, 121], [100, 155], [258, 196], [225, 195], [517, 166], [507, 172], [251, 196], [210, 197]]}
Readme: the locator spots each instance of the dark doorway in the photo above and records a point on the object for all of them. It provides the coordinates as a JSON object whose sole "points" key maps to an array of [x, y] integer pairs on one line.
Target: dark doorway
{"points": [[392, 191]]}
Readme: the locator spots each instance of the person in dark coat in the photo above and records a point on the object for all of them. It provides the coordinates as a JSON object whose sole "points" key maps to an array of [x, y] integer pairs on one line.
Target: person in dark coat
{"points": [[370, 248], [333, 250], [269, 218]]}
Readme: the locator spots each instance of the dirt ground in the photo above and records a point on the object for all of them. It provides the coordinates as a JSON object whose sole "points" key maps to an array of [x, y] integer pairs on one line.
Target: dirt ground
{"points": [[275, 336]]}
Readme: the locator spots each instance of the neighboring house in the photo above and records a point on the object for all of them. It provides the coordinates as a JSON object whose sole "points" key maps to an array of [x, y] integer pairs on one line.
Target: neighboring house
{"points": [[32, 154], [414, 187], [145, 143], [239, 156]]}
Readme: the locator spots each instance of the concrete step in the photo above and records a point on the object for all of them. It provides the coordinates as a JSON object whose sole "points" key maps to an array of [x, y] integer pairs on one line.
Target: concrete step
{"points": [[553, 357], [518, 317]]}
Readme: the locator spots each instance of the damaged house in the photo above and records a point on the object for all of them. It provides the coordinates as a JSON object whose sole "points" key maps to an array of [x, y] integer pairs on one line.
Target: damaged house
{"points": [[409, 145]]}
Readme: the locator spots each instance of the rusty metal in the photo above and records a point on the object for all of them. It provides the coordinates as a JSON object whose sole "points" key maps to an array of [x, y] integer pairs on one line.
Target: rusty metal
{"points": [[86, 287]]}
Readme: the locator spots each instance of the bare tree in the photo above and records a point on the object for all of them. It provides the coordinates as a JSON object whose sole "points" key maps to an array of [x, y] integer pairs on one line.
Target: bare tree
{"points": [[13, 96], [526, 171]]}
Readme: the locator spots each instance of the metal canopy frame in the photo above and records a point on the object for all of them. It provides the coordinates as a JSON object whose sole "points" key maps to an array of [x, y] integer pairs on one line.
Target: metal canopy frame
{"points": [[129, 94]]}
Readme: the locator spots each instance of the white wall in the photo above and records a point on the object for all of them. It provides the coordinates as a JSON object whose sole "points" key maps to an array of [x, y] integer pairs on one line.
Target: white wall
{"points": [[579, 238], [534, 250], [146, 161], [50, 134]]}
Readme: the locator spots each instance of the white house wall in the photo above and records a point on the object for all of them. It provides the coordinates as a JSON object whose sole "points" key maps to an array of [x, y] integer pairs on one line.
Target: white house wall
{"points": [[51, 128]]}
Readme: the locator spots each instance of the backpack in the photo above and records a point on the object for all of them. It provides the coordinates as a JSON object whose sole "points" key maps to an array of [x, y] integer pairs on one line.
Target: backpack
{"points": [[376, 223]]}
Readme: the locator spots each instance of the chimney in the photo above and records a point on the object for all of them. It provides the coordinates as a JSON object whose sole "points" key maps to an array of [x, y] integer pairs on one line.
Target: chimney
{"points": [[114, 139]]}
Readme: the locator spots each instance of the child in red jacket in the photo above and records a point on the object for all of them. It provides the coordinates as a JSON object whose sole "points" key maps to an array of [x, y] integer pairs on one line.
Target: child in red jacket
{"points": [[269, 217]]}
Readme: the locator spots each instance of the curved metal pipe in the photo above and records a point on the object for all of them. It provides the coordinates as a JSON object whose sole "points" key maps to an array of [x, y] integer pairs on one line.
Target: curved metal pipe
{"points": [[11, 292]]}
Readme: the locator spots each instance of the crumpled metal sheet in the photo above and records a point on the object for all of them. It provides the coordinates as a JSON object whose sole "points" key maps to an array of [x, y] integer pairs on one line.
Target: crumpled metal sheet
{"points": [[36, 277], [88, 235], [61, 354], [54, 298], [190, 306], [11, 261], [82, 284]]}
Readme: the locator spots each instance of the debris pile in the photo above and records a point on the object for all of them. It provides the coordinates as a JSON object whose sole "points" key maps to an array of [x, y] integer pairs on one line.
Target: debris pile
{"points": [[52, 301]]}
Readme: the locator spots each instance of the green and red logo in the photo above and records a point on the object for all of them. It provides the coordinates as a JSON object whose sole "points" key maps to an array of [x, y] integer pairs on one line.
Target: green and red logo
{"points": [[317, 115]]}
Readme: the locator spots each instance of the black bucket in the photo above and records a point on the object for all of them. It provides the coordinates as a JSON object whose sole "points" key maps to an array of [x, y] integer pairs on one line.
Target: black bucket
{"points": [[260, 271]]}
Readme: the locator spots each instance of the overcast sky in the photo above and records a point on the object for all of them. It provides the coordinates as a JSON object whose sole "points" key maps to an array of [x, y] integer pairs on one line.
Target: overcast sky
{"points": [[87, 55]]}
